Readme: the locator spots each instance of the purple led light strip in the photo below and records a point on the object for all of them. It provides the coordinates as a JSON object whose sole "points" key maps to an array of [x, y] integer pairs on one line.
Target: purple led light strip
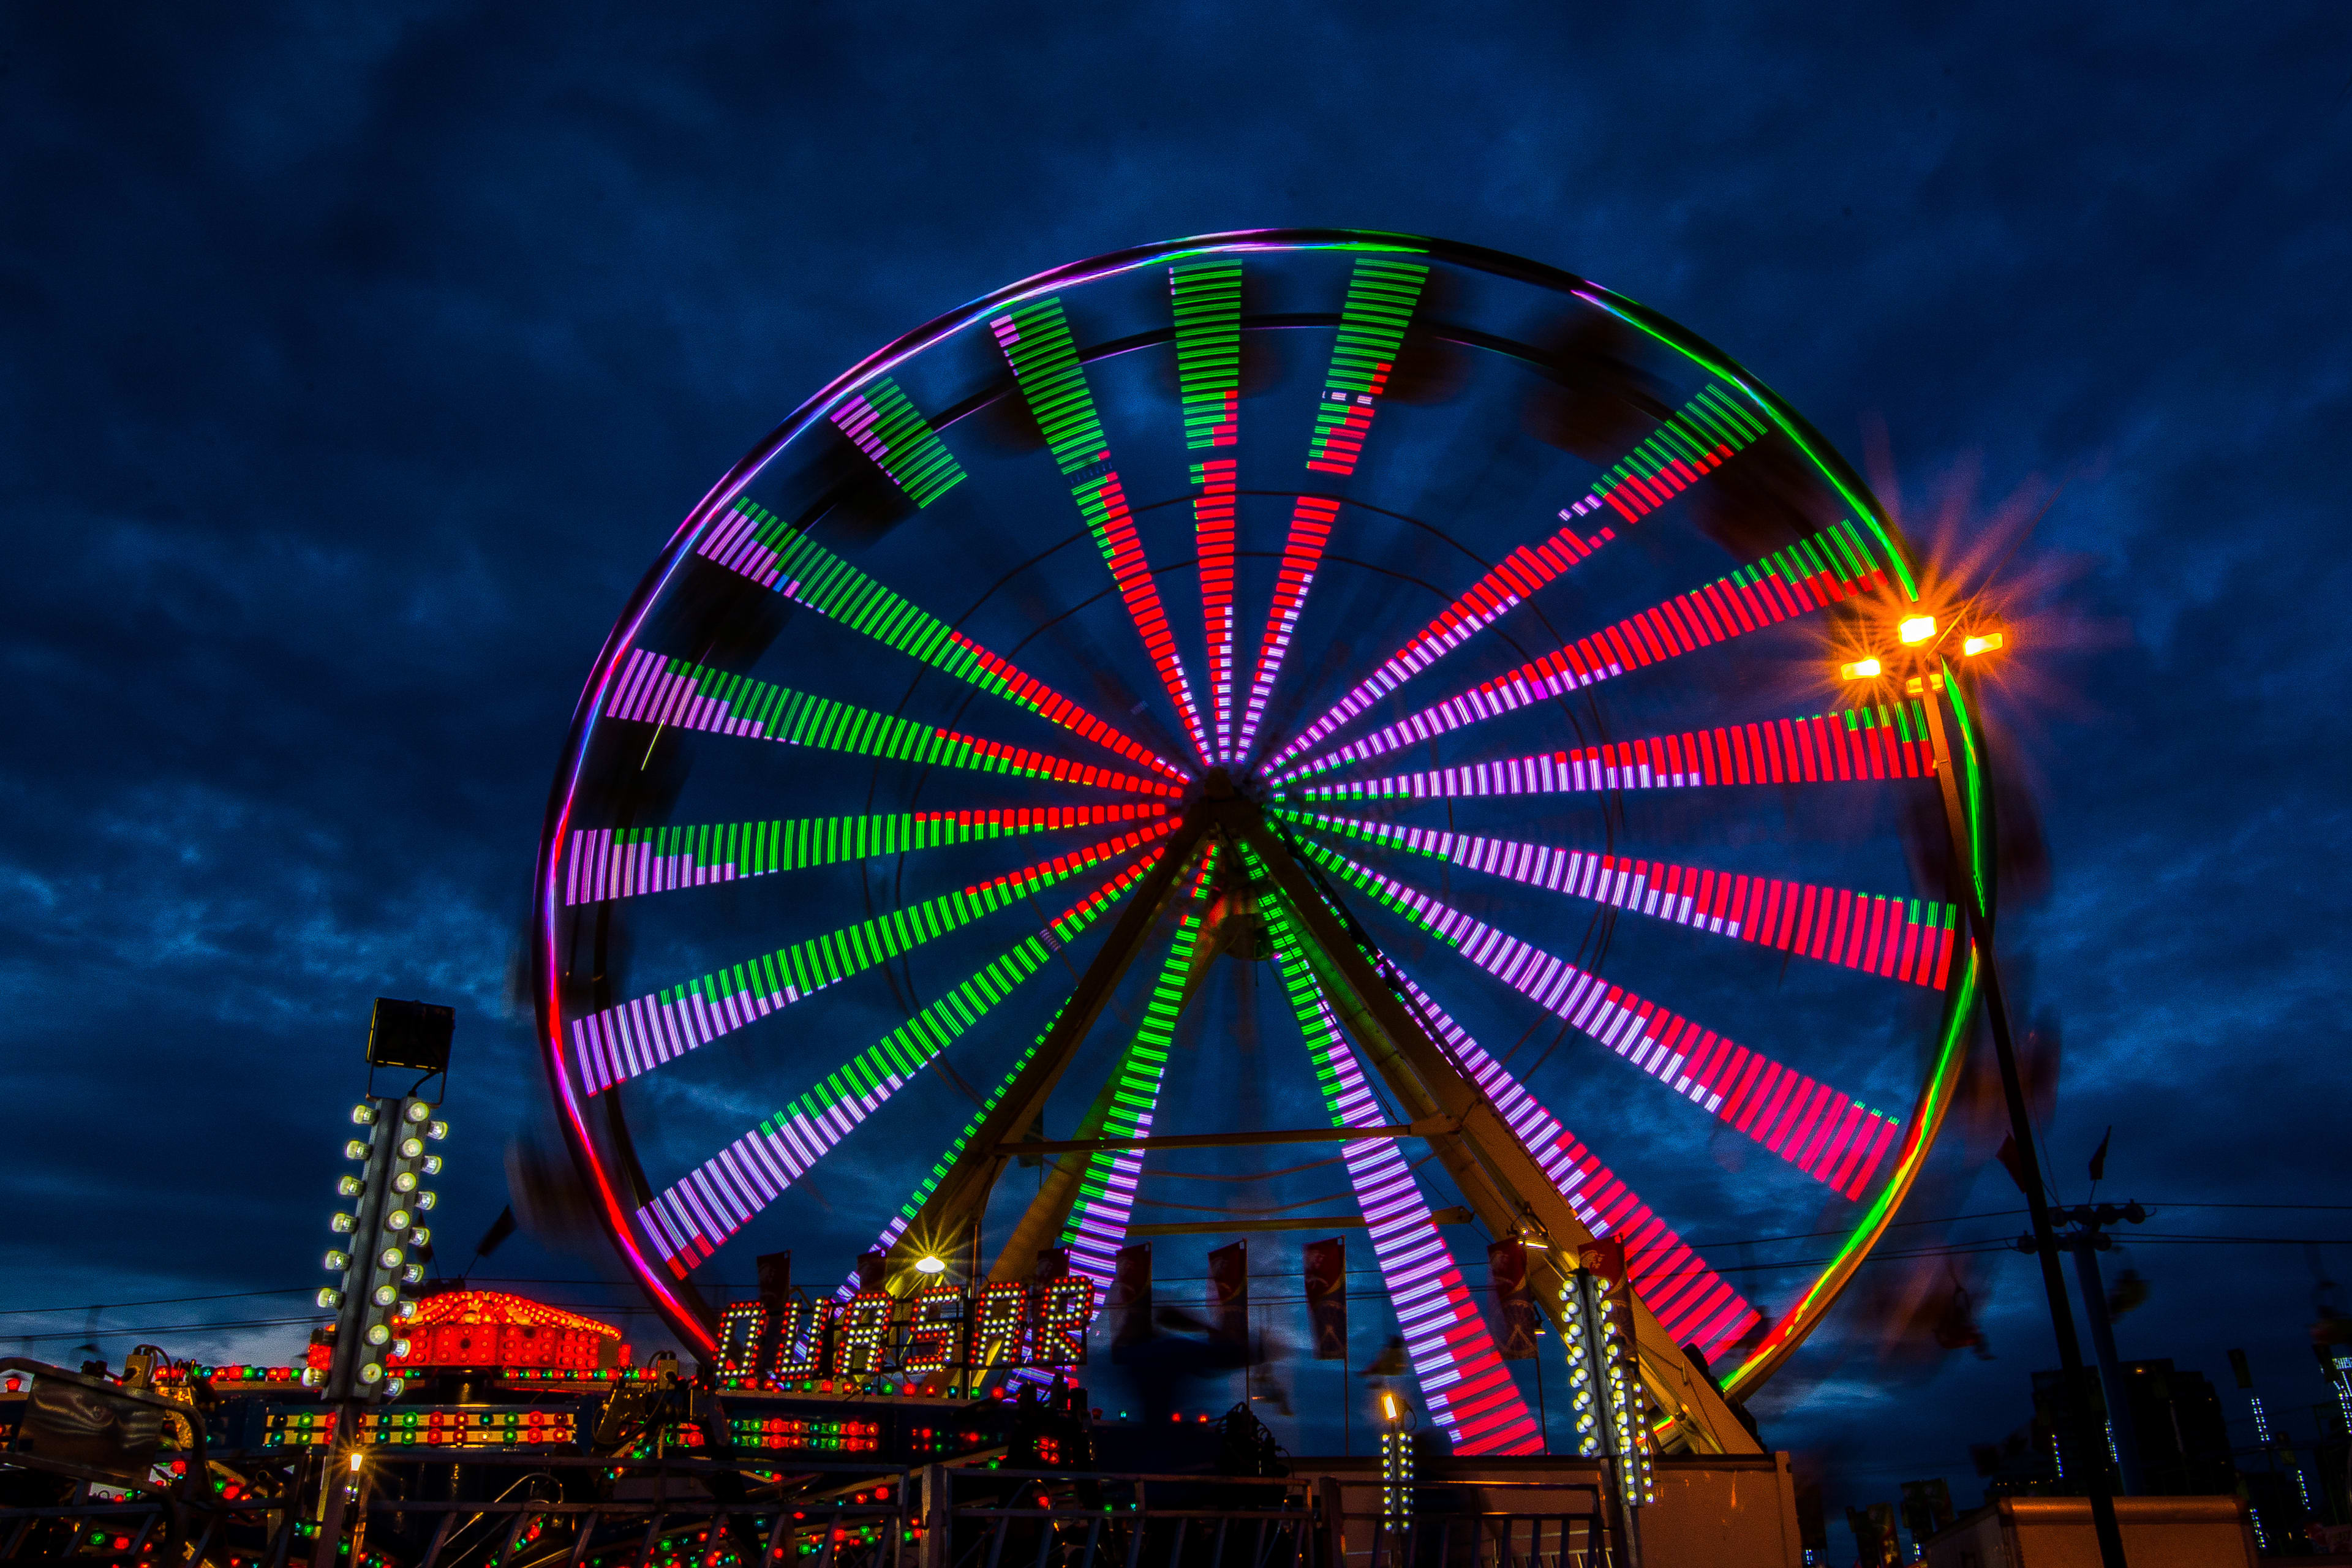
{"points": [[1830, 1136]]}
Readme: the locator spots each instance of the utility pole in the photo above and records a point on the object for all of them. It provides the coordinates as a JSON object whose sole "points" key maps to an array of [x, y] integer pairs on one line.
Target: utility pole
{"points": [[2086, 1241], [1933, 684]]}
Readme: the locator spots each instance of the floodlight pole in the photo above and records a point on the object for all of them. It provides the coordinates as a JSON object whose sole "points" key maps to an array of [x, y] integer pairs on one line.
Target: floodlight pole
{"points": [[1934, 677]]}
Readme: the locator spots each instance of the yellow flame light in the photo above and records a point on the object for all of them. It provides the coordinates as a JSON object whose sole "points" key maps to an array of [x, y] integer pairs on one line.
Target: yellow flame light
{"points": [[1861, 669]]}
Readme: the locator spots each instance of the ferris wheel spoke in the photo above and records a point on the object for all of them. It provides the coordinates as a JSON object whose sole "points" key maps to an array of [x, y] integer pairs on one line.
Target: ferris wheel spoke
{"points": [[754, 543], [1096, 1227], [1381, 294], [1205, 298], [1902, 939], [1834, 564], [1828, 1135], [1845, 745], [628, 1039], [1036, 342], [880, 422], [1693, 1303], [603, 863], [1461, 1372], [678, 693], [701, 1210], [1709, 428]]}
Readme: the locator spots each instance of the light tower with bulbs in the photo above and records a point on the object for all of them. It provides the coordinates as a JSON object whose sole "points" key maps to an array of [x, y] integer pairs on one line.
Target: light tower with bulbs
{"points": [[383, 1239]]}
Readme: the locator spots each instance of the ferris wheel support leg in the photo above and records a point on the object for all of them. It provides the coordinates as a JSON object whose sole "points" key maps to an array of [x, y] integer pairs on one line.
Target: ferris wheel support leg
{"points": [[949, 1218], [1049, 1211], [1505, 1186]]}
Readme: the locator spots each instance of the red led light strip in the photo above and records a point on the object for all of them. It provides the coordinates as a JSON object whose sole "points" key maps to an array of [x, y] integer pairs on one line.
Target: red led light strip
{"points": [[1849, 745], [1037, 343], [1830, 1136], [1302, 551], [1832, 565], [1212, 542], [1687, 1297], [1908, 939]]}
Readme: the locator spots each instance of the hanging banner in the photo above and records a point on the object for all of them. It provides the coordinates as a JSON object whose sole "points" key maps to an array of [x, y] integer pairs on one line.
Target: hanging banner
{"points": [[1130, 1299], [1229, 1295], [1515, 1306], [1327, 1297]]}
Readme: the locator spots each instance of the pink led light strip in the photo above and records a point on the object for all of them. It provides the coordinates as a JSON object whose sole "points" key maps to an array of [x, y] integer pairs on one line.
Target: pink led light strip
{"points": [[617, 863], [1689, 1301], [1829, 1136], [1461, 1375], [630, 1038], [1823, 749], [1311, 530], [695, 1215], [1716, 613], [1212, 541], [1907, 940]]}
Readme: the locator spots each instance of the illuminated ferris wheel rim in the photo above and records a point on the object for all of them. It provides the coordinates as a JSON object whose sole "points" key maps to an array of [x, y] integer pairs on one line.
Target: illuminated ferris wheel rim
{"points": [[718, 506]]}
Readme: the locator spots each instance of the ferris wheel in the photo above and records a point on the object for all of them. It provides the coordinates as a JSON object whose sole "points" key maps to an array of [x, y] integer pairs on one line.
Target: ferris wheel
{"points": [[1261, 689]]}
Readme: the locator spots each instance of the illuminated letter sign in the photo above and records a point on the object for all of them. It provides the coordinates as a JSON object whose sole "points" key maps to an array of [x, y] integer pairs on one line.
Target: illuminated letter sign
{"points": [[861, 1328], [1058, 1333], [741, 1328], [997, 1332], [797, 1343], [934, 1332]]}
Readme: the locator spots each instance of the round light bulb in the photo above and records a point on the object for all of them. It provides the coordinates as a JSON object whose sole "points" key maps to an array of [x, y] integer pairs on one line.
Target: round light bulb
{"points": [[392, 1390], [341, 1223], [396, 1220], [338, 1261], [384, 1295], [404, 1182], [418, 1111], [390, 1257], [350, 1187], [371, 1372], [410, 1148], [432, 1166], [329, 1297], [363, 1115], [377, 1333], [422, 1201], [411, 1274], [356, 1149], [436, 1129]]}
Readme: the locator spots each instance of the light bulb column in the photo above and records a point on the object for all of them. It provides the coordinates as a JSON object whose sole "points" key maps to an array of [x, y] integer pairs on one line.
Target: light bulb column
{"points": [[1604, 1391], [378, 1241]]}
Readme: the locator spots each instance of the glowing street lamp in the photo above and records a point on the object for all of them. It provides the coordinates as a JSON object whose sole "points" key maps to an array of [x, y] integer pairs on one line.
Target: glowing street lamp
{"points": [[1988, 643], [1861, 669], [929, 1265], [1916, 629]]}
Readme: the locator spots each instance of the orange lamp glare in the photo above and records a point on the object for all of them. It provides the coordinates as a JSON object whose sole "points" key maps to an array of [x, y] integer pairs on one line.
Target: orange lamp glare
{"points": [[1971, 646], [1387, 1407], [1916, 630], [1860, 669]]}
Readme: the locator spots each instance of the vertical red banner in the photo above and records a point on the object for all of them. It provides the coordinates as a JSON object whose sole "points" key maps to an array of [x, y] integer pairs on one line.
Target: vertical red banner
{"points": [[1515, 1306], [1327, 1297], [1130, 1299], [1229, 1295]]}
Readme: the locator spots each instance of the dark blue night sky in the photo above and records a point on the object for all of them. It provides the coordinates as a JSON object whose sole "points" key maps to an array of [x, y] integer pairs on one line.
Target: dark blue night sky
{"points": [[356, 367]]}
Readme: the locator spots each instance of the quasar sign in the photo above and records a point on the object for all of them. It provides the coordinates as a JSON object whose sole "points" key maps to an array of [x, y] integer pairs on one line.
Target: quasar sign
{"points": [[946, 1328]]}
